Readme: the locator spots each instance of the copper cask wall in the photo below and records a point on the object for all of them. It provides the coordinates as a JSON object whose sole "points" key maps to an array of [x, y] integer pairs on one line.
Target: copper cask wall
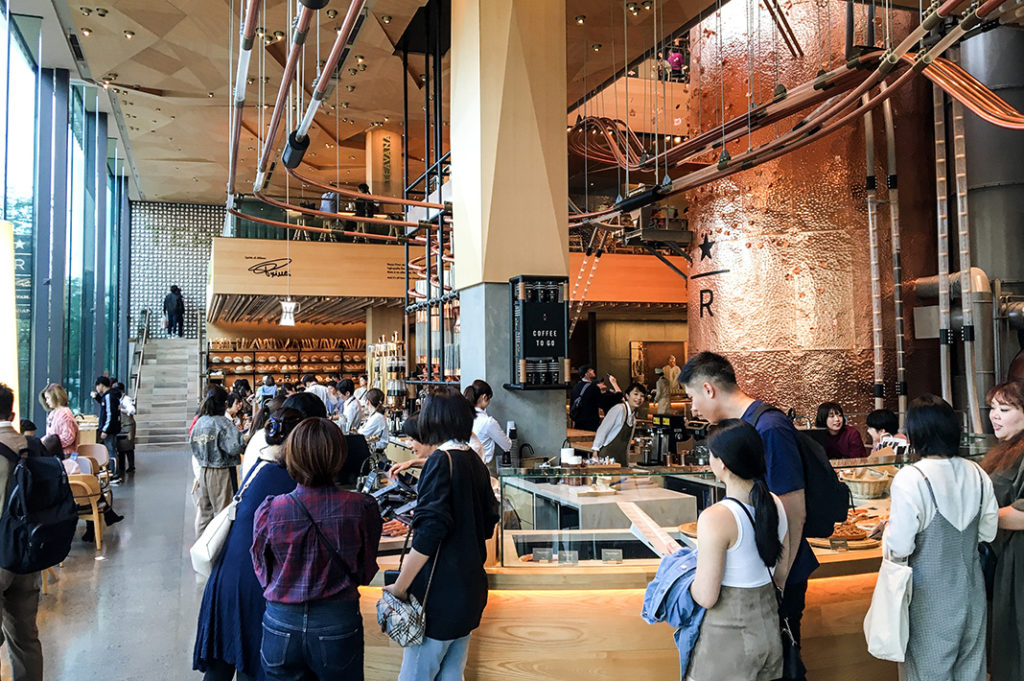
{"points": [[782, 283]]}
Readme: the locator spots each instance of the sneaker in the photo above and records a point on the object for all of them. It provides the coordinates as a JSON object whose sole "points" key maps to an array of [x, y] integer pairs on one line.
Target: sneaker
{"points": [[116, 481]]}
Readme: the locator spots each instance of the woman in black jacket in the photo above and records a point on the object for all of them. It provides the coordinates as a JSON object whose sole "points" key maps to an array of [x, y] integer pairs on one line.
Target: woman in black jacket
{"points": [[455, 515]]}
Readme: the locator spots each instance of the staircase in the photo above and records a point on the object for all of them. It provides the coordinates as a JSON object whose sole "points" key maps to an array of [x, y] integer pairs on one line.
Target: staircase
{"points": [[168, 391]]}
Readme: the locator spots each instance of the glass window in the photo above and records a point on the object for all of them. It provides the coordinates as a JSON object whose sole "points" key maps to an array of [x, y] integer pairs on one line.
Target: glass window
{"points": [[19, 37]]}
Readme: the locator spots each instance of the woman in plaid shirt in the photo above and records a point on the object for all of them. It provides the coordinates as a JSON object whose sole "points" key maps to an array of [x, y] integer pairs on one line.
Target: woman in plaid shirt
{"points": [[311, 551]]}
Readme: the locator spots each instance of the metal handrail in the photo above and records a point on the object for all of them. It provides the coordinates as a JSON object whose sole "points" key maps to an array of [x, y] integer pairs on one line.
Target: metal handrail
{"points": [[141, 350]]}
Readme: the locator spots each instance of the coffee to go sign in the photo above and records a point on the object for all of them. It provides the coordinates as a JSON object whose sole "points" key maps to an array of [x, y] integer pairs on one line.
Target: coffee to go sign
{"points": [[539, 348]]}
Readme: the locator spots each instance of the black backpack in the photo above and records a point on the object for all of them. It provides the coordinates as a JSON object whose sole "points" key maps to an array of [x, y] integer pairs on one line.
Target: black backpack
{"points": [[826, 498], [40, 516], [574, 407]]}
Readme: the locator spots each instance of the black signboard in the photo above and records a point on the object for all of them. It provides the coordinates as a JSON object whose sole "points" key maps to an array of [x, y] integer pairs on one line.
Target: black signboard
{"points": [[540, 323]]}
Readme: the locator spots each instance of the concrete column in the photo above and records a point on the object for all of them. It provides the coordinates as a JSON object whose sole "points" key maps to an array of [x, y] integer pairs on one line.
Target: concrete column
{"points": [[510, 182], [384, 162]]}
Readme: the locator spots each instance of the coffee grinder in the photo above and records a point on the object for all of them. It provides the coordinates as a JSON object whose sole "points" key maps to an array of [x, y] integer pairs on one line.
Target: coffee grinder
{"points": [[667, 431]]}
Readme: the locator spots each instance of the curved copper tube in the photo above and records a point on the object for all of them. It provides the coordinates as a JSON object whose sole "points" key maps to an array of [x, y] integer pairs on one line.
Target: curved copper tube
{"points": [[327, 71], [305, 15], [333, 216], [973, 94], [359, 195], [248, 33], [306, 228]]}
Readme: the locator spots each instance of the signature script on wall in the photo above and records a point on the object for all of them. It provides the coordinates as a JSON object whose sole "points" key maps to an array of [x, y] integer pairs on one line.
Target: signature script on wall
{"points": [[272, 268]]}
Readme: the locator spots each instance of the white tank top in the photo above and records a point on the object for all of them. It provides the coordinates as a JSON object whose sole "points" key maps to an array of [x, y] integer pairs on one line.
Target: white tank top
{"points": [[743, 565]]}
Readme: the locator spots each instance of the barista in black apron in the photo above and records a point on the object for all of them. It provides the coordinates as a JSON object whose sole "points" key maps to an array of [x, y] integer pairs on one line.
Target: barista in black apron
{"points": [[612, 443]]}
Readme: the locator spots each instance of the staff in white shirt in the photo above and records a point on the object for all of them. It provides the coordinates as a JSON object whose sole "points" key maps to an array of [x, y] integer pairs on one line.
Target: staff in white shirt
{"points": [[485, 427], [360, 392], [351, 408], [375, 427], [615, 433]]}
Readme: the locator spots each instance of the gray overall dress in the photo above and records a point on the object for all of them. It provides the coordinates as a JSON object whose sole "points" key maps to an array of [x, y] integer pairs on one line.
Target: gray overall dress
{"points": [[947, 609]]}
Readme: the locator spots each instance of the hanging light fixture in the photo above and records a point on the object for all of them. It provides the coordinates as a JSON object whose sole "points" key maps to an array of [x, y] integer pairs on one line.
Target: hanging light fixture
{"points": [[288, 310]]}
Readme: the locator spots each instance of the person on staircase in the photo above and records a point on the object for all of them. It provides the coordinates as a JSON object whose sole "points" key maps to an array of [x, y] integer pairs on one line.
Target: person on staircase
{"points": [[174, 310]]}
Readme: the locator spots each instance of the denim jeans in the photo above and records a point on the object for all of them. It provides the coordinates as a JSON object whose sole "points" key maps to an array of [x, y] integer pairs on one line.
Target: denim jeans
{"points": [[435, 660], [317, 640]]}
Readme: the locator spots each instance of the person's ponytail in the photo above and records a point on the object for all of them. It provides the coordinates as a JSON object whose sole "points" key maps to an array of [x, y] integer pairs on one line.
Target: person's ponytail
{"points": [[766, 523]]}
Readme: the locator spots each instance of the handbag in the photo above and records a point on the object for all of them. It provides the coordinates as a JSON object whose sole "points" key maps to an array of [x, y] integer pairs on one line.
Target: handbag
{"points": [[792, 664], [210, 545], [405, 622], [887, 624]]}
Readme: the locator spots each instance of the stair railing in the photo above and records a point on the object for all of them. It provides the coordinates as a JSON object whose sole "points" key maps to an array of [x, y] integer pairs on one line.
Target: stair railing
{"points": [[140, 351]]}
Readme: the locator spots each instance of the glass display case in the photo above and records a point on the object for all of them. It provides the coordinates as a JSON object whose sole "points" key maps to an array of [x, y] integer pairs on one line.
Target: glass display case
{"points": [[574, 516]]}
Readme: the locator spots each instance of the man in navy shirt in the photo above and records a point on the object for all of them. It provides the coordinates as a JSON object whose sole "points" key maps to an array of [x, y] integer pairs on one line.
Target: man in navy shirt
{"points": [[710, 382]]}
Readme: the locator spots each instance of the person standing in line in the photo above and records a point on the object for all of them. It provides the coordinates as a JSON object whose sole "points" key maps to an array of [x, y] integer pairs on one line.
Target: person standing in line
{"points": [[60, 421], [941, 508], [455, 516], [217, 449], [266, 391], [19, 594], [742, 543], [1004, 464], [230, 622], [485, 427], [710, 381], [587, 397], [109, 399], [375, 427], [615, 434], [843, 441], [174, 310], [311, 551]]}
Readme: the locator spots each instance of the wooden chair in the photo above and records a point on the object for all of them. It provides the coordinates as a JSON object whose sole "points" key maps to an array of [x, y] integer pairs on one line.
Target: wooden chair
{"points": [[86, 489], [49, 575], [99, 454]]}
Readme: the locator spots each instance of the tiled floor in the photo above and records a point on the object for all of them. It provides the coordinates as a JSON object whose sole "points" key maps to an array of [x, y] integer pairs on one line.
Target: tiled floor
{"points": [[128, 613]]}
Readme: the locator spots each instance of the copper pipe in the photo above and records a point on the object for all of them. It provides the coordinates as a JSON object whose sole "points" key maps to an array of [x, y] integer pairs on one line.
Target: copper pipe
{"points": [[298, 38], [360, 195], [333, 216], [244, 49]]}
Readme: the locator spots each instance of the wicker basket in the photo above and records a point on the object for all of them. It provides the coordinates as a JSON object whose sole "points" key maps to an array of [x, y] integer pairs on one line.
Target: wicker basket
{"points": [[866, 483]]}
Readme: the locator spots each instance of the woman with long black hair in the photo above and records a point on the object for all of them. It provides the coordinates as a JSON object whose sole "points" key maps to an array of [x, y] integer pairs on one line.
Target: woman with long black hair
{"points": [[741, 540], [455, 515]]}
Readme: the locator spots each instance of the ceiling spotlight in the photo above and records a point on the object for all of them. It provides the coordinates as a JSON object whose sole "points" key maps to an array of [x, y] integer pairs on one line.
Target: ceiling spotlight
{"points": [[279, 35], [128, 35], [210, 95], [101, 12], [647, 4], [250, 81], [110, 77], [260, 31], [87, 32], [353, 70], [352, 157], [350, 88], [580, 18], [338, 30], [331, 13], [328, 145], [85, 11], [344, 105], [677, 139], [385, 119], [597, 47], [386, 18], [360, 59], [362, 67]]}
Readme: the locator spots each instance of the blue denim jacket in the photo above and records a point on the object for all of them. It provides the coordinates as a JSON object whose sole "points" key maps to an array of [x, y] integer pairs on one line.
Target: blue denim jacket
{"points": [[668, 599]]}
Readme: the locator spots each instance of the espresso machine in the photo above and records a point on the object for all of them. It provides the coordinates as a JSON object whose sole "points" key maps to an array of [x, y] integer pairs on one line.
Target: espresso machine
{"points": [[667, 431]]}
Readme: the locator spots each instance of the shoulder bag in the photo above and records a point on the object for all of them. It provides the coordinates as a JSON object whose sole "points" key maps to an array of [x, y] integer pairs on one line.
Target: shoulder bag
{"points": [[210, 545], [405, 622], [792, 664], [887, 624]]}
